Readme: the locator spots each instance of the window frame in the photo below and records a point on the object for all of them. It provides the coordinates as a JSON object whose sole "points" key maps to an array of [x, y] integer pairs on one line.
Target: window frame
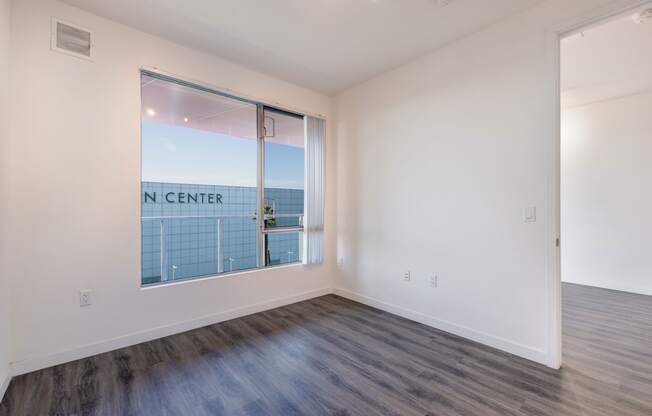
{"points": [[262, 231]]}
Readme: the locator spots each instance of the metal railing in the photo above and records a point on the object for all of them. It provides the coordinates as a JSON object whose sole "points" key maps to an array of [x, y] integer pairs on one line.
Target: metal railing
{"points": [[168, 273]]}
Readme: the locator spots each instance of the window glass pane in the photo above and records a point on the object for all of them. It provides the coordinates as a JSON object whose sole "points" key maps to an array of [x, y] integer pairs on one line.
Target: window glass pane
{"points": [[199, 173], [284, 169], [283, 248]]}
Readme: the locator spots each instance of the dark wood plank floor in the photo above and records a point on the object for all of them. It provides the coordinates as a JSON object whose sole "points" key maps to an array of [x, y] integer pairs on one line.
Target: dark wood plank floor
{"points": [[331, 356]]}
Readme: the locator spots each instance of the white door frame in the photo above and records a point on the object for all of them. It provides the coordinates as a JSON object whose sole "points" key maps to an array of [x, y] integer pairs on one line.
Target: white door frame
{"points": [[553, 158]]}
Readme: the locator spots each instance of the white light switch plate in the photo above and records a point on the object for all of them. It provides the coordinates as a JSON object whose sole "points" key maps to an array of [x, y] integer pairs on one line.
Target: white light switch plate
{"points": [[85, 297], [530, 214]]}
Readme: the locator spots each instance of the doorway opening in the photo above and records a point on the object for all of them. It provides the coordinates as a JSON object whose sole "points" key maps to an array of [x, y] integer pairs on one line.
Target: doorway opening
{"points": [[604, 200]]}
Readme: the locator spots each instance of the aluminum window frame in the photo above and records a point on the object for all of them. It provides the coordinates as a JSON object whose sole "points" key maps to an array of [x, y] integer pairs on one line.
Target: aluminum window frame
{"points": [[263, 230], [261, 247]]}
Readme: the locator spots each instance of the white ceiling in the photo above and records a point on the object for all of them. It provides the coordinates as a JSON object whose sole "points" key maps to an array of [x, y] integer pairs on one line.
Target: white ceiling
{"points": [[609, 60], [326, 45]]}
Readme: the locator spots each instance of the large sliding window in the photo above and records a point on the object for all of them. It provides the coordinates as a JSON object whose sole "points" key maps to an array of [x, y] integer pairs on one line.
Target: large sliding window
{"points": [[222, 182], [284, 160]]}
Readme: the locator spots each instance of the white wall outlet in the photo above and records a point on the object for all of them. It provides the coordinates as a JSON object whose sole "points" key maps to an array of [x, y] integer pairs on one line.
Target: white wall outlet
{"points": [[530, 214], [433, 280], [407, 276], [85, 297]]}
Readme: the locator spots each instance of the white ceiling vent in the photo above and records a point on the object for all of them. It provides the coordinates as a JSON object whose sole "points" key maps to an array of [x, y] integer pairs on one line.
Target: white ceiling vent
{"points": [[71, 39]]}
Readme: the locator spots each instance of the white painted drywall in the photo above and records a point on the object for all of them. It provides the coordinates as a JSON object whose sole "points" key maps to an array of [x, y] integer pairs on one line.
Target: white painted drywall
{"points": [[605, 61], [606, 203], [436, 161], [326, 45], [74, 194], [5, 344]]}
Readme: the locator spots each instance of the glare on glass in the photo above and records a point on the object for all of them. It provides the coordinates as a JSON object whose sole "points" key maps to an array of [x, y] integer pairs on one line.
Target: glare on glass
{"points": [[284, 169], [199, 182]]}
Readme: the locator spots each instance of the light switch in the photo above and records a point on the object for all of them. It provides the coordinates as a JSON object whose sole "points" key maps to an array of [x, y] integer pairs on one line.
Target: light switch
{"points": [[530, 214]]}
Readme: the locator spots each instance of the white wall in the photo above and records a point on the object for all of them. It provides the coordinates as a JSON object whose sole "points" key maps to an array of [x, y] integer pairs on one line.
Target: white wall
{"points": [[73, 218], [5, 344], [606, 204], [437, 161]]}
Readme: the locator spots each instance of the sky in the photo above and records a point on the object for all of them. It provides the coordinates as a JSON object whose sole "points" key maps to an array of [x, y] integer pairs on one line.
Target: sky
{"points": [[184, 155]]}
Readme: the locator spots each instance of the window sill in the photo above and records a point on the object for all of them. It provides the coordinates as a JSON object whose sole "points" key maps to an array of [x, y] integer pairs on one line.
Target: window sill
{"points": [[217, 276]]}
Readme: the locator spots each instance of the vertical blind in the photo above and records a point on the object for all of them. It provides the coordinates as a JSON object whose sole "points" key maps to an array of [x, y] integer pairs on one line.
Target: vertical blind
{"points": [[314, 195]]}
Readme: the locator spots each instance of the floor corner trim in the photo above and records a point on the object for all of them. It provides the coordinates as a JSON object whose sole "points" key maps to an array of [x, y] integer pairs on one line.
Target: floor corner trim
{"points": [[35, 363], [502, 344]]}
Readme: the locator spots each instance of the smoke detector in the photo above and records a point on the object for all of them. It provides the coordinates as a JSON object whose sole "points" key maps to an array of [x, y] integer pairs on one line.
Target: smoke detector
{"points": [[643, 16]]}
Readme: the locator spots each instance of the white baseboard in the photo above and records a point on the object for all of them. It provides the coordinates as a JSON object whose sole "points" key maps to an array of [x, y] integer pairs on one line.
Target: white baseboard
{"points": [[638, 290], [5, 379], [506, 345], [39, 362]]}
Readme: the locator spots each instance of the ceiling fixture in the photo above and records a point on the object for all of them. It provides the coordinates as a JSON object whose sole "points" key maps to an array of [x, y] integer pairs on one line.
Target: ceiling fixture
{"points": [[643, 16], [151, 112], [185, 119]]}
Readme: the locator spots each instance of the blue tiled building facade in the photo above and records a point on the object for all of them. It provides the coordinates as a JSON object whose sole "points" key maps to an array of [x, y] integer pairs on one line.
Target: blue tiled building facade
{"points": [[189, 220]]}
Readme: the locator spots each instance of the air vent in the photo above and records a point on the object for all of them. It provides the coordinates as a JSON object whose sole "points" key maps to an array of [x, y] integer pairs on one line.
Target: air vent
{"points": [[71, 39]]}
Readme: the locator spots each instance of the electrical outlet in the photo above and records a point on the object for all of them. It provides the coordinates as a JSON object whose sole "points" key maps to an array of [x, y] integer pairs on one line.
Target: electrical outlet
{"points": [[85, 297], [406, 276], [433, 280]]}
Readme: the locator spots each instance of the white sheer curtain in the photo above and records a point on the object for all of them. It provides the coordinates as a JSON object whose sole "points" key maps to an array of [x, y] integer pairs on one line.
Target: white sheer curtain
{"points": [[314, 192]]}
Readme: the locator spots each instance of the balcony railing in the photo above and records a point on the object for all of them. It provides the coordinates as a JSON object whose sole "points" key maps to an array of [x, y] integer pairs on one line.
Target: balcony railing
{"points": [[181, 247]]}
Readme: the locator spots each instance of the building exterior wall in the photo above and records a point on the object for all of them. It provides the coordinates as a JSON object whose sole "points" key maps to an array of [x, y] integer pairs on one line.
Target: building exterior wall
{"points": [[201, 223]]}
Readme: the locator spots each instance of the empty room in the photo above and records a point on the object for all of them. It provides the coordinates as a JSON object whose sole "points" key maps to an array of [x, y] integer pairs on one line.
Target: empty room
{"points": [[606, 105], [345, 207]]}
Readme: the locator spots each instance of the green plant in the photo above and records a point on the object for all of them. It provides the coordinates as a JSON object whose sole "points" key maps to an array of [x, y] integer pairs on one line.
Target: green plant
{"points": [[270, 221]]}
